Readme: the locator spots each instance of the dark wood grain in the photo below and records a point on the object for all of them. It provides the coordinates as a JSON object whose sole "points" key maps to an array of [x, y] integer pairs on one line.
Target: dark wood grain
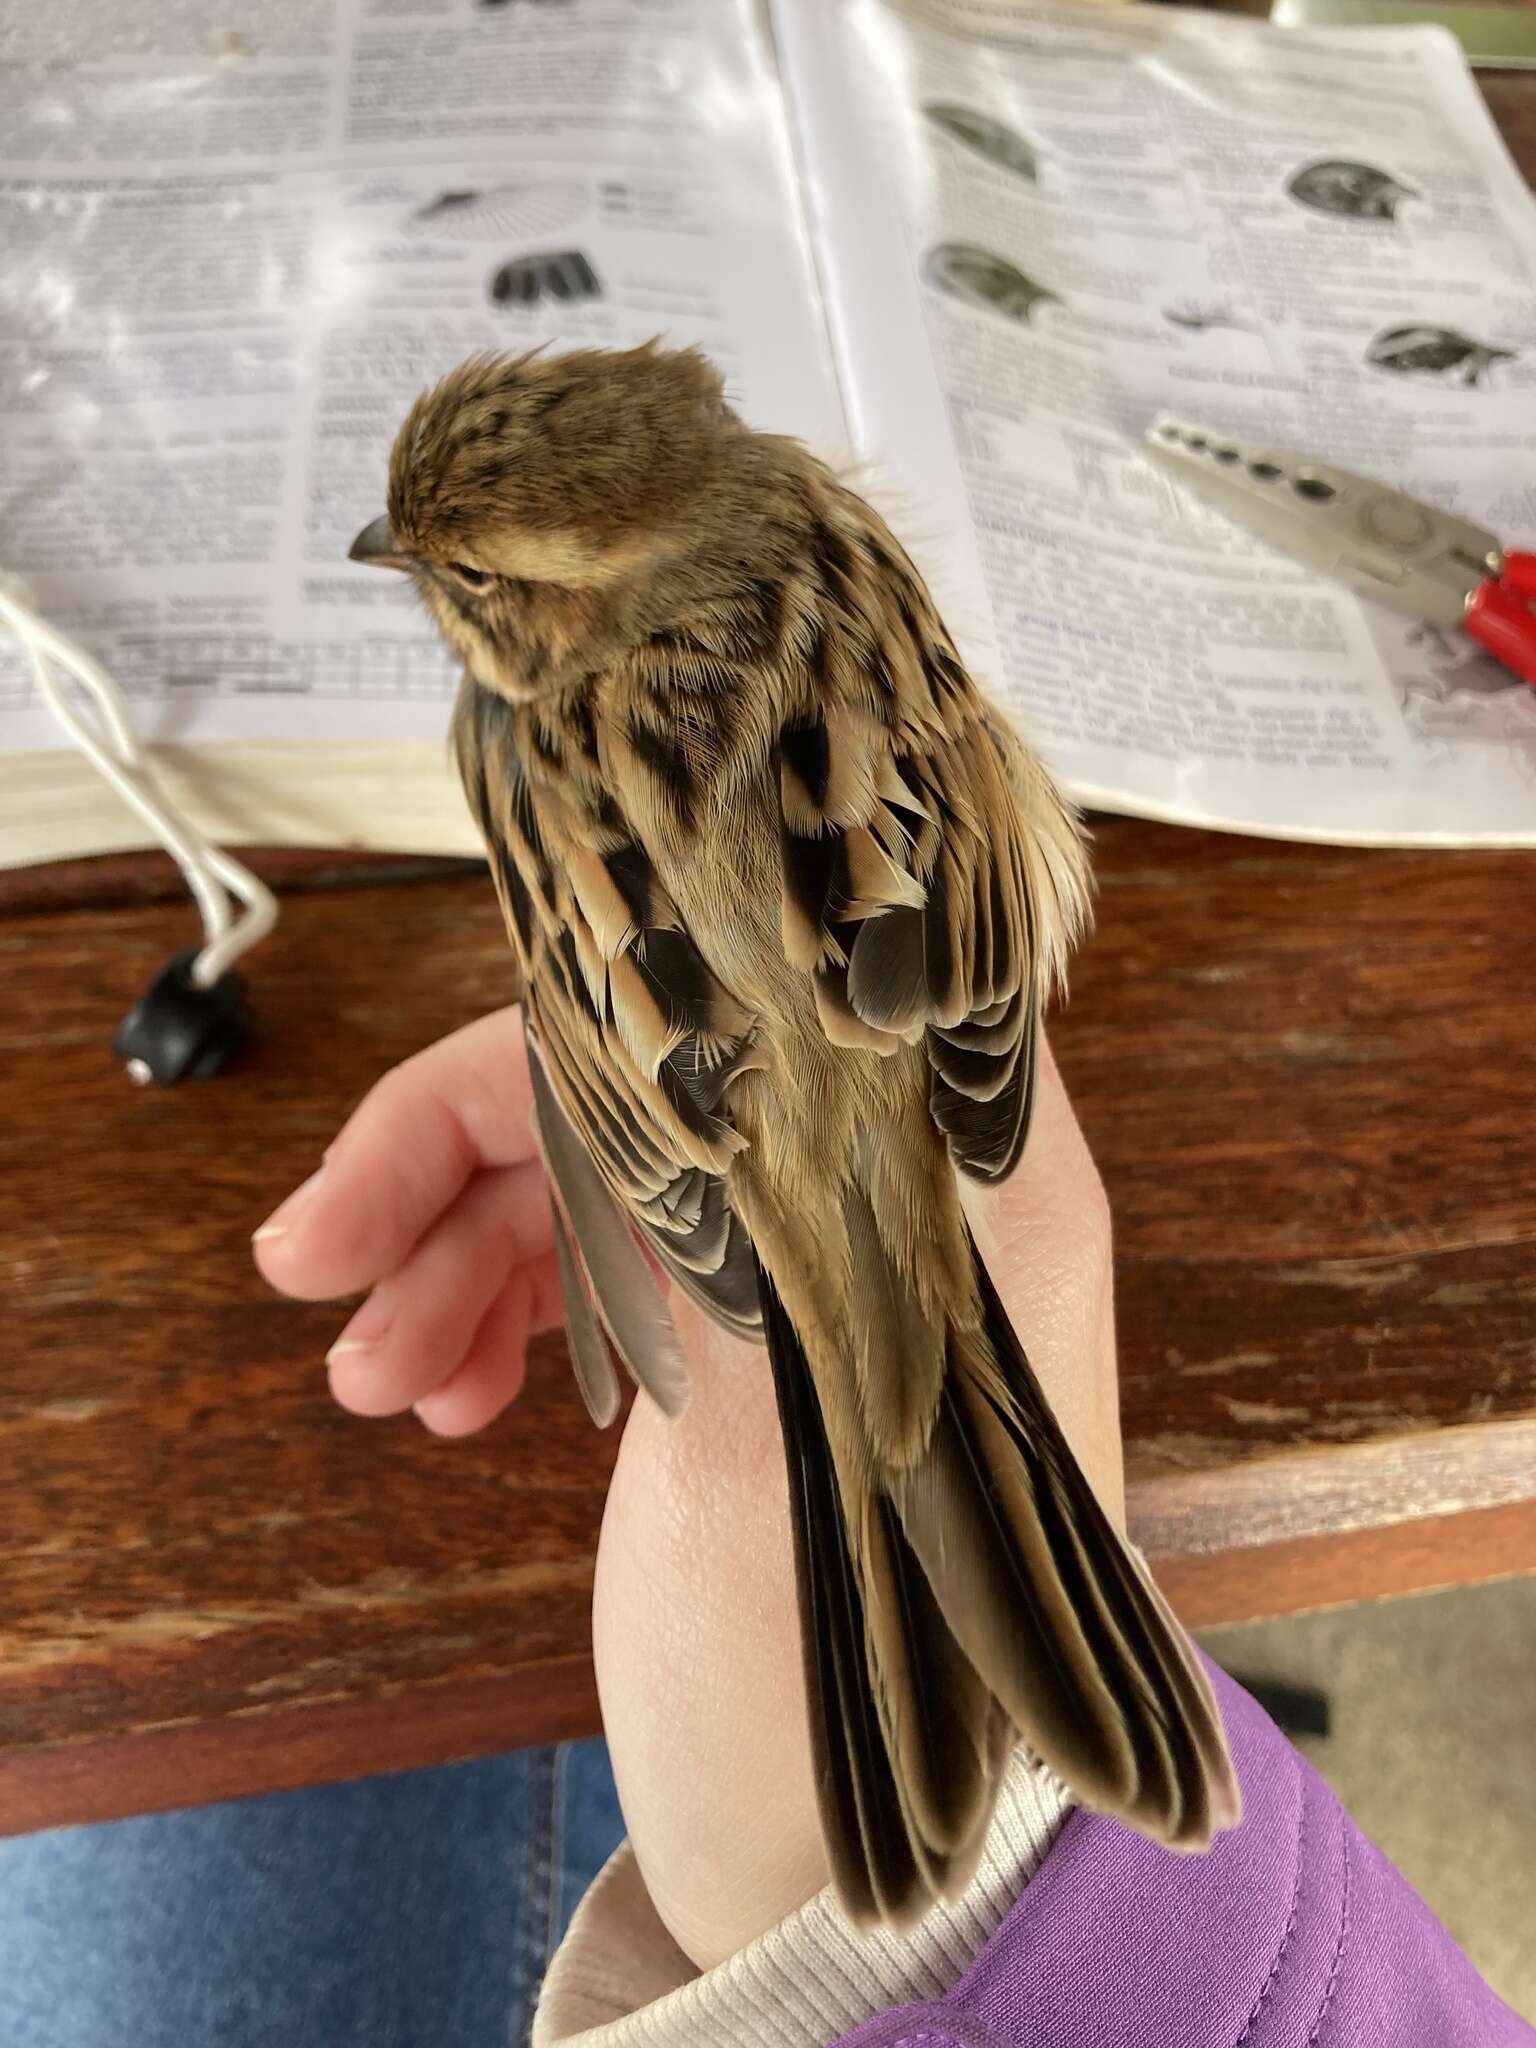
{"points": [[1512, 103], [108, 879], [1307, 1073], [191, 1528], [316, 1741], [1310, 1079], [1216, 1587]]}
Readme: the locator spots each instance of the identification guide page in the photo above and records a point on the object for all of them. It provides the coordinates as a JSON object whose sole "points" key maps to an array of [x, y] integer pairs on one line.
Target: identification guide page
{"points": [[970, 248]]}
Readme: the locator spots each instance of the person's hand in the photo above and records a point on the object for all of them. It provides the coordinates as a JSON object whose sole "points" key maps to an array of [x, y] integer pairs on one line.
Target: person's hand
{"points": [[432, 1197]]}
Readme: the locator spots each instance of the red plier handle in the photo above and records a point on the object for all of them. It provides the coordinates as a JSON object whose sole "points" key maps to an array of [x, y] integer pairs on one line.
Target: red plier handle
{"points": [[1500, 618]]}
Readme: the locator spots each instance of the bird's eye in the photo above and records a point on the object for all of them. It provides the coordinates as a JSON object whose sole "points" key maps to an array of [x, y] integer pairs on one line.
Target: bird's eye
{"points": [[475, 578]]}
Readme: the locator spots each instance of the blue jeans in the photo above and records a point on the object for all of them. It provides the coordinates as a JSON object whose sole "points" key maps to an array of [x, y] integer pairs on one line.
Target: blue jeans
{"points": [[407, 1912]]}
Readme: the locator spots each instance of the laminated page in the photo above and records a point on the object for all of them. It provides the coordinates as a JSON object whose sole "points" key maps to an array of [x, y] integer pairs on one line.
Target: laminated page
{"points": [[1084, 216], [238, 242]]}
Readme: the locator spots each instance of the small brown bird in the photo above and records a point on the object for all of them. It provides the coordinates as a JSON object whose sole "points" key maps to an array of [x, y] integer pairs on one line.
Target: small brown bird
{"points": [[787, 895]]}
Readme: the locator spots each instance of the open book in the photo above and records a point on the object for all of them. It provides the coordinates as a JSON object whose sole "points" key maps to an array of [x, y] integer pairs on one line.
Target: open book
{"points": [[972, 246]]}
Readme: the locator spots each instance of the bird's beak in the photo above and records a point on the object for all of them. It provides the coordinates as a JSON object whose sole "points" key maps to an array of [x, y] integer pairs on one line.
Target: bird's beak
{"points": [[377, 545]]}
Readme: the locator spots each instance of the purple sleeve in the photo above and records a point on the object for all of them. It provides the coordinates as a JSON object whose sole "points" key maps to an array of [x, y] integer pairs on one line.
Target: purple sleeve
{"points": [[1293, 1930]]}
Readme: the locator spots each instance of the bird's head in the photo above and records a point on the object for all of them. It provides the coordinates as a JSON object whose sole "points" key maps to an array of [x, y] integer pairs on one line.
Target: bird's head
{"points": [[521, 486]]}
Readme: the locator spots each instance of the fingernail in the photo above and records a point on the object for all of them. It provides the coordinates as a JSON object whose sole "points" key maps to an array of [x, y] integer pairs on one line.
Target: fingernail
{"points": [[289, 1211], [366, 1331]]}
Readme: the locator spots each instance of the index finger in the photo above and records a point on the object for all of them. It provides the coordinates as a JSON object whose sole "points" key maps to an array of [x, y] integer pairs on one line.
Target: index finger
{"points": [[400, 1159]]}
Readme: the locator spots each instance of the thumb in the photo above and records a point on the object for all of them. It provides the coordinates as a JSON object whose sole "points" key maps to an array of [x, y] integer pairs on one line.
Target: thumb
{"points": [[696, 1640]]}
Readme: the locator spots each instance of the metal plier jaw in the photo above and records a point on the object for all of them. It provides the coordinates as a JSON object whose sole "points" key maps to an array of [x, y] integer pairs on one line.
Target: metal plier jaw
{"points": [[1382, 543]]}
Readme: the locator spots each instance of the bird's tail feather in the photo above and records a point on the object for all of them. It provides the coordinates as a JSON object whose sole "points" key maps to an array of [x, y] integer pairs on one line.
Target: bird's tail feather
{"points": [[903, 1807], [979, 1591]]}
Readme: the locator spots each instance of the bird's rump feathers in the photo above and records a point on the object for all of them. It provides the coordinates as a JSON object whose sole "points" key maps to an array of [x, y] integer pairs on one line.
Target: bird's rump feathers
{"points": [[787, 897]]}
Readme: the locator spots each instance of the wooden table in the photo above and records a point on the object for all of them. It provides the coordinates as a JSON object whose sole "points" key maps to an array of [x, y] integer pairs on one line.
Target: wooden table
{"points": [[1309, 1076], [1310, 1079]]}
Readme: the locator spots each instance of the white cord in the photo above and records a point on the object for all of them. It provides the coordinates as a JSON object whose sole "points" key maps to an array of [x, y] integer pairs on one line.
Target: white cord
{"points": [[212, 875]]}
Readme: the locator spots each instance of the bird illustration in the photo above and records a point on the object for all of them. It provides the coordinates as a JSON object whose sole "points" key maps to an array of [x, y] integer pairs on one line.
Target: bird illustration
{"points": [[1424, 351], [1198, 318], [787, 895], [500, 212], [1348, 190], [988, 136], [983, 278], [556, 274]]}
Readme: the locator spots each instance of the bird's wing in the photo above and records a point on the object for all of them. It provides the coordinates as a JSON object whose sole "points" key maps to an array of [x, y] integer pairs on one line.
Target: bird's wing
{"points": [[633, 1043], [933, 879]]}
